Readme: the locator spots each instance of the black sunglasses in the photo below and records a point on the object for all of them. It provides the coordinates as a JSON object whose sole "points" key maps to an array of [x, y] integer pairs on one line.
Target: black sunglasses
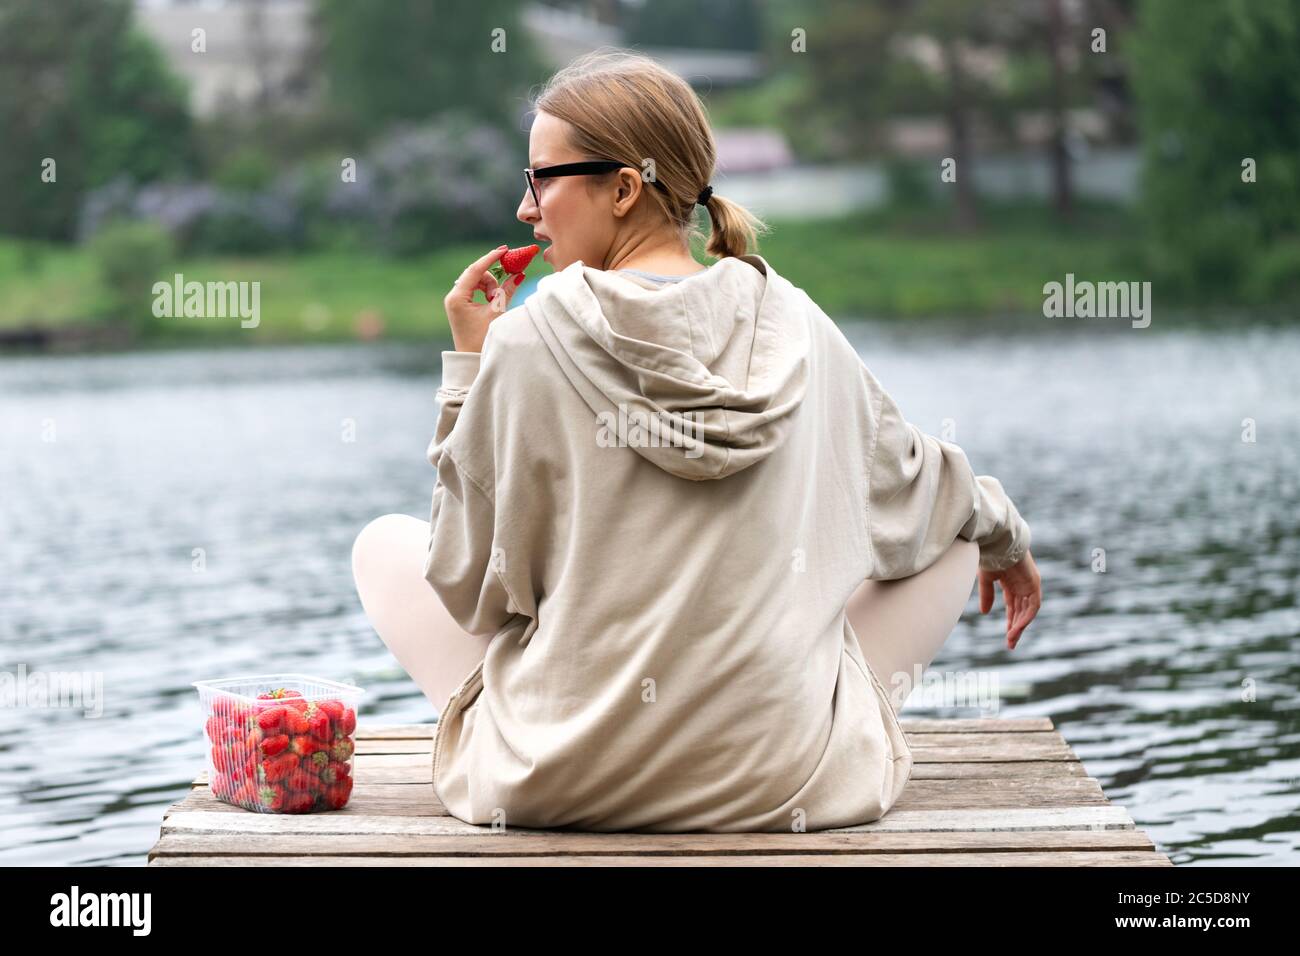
{"points": [[575, 169]]}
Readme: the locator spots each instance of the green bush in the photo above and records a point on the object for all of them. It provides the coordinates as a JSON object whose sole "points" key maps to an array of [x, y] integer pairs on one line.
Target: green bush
{"points": [[1275, 275], [1216, 85], [130, 258], [248, 170]]}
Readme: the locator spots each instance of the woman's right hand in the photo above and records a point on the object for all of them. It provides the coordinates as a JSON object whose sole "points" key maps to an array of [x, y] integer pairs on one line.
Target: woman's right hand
{"points": [[469, 319], [1022, 593]]}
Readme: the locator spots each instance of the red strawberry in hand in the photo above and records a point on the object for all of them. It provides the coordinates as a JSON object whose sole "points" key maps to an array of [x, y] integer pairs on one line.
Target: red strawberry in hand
{"points": [[515, 261], [509, 269]]}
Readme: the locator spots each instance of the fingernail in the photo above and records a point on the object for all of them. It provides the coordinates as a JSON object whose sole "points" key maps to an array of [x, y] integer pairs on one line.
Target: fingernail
{"points": [[519, 279]]}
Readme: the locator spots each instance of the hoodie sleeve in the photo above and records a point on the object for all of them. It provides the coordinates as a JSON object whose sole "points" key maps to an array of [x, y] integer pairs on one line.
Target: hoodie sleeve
{"points": [[459, 369], [464, 566], [922, 494]]}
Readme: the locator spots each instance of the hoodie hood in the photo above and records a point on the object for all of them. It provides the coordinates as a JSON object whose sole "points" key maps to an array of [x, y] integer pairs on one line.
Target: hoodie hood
{"points": [[702, 377]]}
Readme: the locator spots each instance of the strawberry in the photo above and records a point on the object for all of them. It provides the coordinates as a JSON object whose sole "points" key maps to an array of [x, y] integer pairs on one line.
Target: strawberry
{"points": [[336, 771], [271, 796], [347, 723], [271, 719], [342, 749], [304, 745], [336, 794], [515, 261], [274, 745], [278, 694], [215, 726], [299, 802], [317, 762], [302, 779], [280, 766], [294, 722], [220, 784], [318, 725], [332, 709], [245, 795], [300, 704]]}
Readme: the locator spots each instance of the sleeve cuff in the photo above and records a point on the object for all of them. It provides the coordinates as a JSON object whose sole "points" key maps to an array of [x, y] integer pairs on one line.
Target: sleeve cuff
{"points": [[993, 561], [459, 369]]}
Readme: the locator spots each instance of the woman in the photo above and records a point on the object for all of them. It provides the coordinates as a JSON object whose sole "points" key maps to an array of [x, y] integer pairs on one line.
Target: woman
{"points": [[680, 535]]}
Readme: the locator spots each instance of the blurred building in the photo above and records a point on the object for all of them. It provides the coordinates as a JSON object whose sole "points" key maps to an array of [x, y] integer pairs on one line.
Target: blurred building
{"points": [[255, 49]]}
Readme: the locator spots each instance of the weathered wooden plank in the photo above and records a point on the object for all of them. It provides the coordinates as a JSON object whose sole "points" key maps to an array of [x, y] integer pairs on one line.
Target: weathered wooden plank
{"points": [[348, 821], [975, 748], [968, 793], [1103, 859], [395, 731], [394, 745], [1030, 769], [995, 791], [977, 725], [508, 843]]}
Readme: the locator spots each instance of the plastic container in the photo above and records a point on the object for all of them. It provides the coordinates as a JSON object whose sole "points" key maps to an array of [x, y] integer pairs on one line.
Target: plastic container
{"points": [[289, 753]]}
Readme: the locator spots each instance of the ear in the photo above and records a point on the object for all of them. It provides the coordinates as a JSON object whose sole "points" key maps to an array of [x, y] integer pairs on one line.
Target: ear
{"points": [[629, 188]]}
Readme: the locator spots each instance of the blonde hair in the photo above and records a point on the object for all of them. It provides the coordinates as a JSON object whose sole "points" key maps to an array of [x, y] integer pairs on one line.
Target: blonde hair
{"points": [[625, 106]]}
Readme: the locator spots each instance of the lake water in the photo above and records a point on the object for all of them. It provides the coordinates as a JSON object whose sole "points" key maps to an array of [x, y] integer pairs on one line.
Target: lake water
{"points": [[174, 516]]}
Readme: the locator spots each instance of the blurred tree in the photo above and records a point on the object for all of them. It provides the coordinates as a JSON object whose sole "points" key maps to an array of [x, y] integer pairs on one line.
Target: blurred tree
{"points": [[131, 257], [80, 86], [719, 24], [1218, 91], [403, 60], [895, 57], [1056, 69]]}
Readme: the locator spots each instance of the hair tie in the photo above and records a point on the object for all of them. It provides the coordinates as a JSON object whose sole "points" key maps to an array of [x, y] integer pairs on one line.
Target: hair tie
{"points": [[703, 198]]}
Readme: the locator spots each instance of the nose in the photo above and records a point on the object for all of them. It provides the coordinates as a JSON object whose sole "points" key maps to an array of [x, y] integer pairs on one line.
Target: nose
{"points": [[528, 211]]}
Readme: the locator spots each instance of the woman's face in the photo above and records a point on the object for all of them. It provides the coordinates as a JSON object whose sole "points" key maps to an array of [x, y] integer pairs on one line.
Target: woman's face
{"points": [[575, 220]]}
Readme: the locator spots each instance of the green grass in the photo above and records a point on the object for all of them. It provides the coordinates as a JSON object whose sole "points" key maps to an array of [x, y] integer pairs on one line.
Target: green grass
{"points": [[316, 296], [887, 264], [910, 265]]}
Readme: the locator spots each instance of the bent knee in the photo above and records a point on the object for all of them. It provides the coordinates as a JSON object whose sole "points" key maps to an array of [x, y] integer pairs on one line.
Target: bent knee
{"points": [[968, 552], [384, 540]]}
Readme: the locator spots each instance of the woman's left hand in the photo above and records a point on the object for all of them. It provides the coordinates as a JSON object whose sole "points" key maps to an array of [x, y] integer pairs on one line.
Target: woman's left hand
{"points": [[1022, 593], [469, 319]]}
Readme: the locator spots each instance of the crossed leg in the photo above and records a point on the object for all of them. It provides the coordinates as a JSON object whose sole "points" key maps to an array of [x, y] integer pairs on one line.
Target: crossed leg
{"points": [[387, 563], [900, 624]]}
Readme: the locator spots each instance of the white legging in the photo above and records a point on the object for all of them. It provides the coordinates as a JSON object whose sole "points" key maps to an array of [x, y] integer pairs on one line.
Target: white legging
{"points": [[900, 624]]}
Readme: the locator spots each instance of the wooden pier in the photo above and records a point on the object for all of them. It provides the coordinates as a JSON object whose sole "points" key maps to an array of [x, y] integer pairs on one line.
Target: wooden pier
{"points": [[983, 792]]}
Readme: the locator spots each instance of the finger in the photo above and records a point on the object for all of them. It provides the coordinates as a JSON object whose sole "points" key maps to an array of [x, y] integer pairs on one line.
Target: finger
{"points": [[488, 283], [468, 282], [1028, 614], [986, 594], [501, 295], [1028, 610], [1021, 622]]}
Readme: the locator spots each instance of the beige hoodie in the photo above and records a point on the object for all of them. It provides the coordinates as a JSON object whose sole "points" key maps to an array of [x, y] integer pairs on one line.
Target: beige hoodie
{"points": [[658, 501]]}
